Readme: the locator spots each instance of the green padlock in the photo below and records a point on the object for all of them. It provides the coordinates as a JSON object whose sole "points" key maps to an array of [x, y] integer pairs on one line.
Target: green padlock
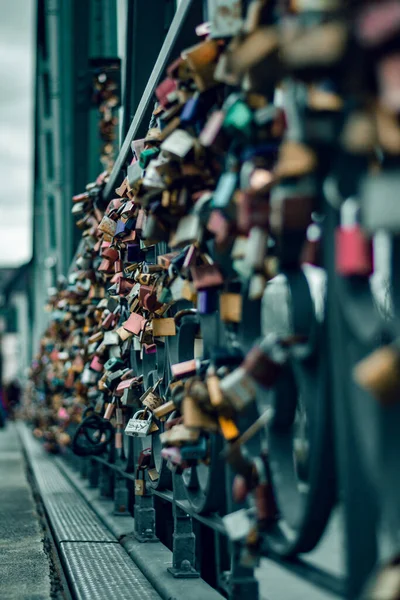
{"points": [[238, 119], [148, 155], [113, 364], [165, 296]]}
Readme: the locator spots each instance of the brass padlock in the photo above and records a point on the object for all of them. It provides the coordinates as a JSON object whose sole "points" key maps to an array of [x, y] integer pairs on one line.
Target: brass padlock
{"points": [[150, 399], [140, 485], [163, 327], [194, 417], [230, 307], [379, 373], [153, 474], [164, 409]]}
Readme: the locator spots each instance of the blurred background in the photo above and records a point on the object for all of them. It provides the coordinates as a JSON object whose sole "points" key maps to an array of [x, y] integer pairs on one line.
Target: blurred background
{"points": [[17, 52], [51, 146]]}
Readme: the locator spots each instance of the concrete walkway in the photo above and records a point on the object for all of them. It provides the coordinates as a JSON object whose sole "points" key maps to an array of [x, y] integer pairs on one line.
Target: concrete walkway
{"points": [[24, 568]]}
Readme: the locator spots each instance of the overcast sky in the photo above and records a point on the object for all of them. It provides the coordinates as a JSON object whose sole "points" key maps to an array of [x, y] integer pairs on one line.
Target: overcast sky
{"points": [[16, 122]]}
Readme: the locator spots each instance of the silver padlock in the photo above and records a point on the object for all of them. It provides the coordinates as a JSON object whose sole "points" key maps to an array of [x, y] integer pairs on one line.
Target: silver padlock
{"points": [[239, 523], [137, 426], [380, 206], [189, 231]]}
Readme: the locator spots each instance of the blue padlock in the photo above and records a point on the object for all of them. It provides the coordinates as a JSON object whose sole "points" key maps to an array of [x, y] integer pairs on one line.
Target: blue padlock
{"points": [[120, 228], [207, 302], [190, 111], [196, 451]]}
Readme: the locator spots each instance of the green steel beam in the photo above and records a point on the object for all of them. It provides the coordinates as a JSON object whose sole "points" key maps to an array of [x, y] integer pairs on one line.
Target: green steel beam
{"points": [[148, 23], [103, 42], [180, 35]]}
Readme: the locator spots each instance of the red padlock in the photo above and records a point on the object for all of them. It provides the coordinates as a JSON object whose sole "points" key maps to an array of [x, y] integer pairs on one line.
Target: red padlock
{"points": [[353, 254]]}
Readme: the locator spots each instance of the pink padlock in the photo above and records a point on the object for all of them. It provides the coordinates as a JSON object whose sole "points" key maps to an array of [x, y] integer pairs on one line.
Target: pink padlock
{"points": [[353, 256], [96, 364], [173, 454]]}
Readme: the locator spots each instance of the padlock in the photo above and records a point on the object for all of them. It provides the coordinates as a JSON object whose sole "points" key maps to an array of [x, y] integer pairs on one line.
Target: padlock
{"points": [[206, 276], [238, 524], [131, 395], [302, 53], [165, 91], [256, 249], [164, 409], [228, 428], [225, 17], [146, 336], [378, 23], [264, 362], [213, 387], [118, 266], [184, 369], [202, 60], [140, 483], [239, 388], [163, 327], [108, 226], [134, 324], [148, 298], [227, 184], [139, 425], [194, 416], [113, 364], [123, 334], [238, 119], [190, 112], [189, 231], [133, 383], [253, 210], [133, 253], [120, 229], [147, 155], [179, 434], [179, 143], [112, 379], [96, 364], [196, 451], [311, 252], [230, 307], [153, 474], [380, 208], [105, 266], [172, 454], [109, 410], [212, 131], [353, 249], [150, 399], [96, 337], [207, 302], [267, 511], [384, 583], [379, 374]]}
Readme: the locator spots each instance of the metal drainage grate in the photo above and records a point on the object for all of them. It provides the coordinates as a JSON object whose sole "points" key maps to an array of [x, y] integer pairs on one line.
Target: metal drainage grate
{"points": [[73, 520], [104, 571], [49, 479]]}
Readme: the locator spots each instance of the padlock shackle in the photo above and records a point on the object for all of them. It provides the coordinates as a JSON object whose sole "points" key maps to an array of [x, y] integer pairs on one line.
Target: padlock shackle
{"points": [[183, 313]]}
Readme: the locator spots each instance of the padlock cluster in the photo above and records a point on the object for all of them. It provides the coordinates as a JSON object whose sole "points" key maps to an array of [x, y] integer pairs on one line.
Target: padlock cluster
{"points": [[253, 128], [106, 97]]}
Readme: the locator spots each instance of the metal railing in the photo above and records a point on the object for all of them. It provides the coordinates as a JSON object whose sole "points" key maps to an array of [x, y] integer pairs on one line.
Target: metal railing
{"points": [[184, 511]]}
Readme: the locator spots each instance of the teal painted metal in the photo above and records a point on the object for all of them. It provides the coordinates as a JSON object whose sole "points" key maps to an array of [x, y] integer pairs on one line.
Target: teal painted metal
{"points": [[181, 34], [102, 43], [146, 20], [66, 131]]}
